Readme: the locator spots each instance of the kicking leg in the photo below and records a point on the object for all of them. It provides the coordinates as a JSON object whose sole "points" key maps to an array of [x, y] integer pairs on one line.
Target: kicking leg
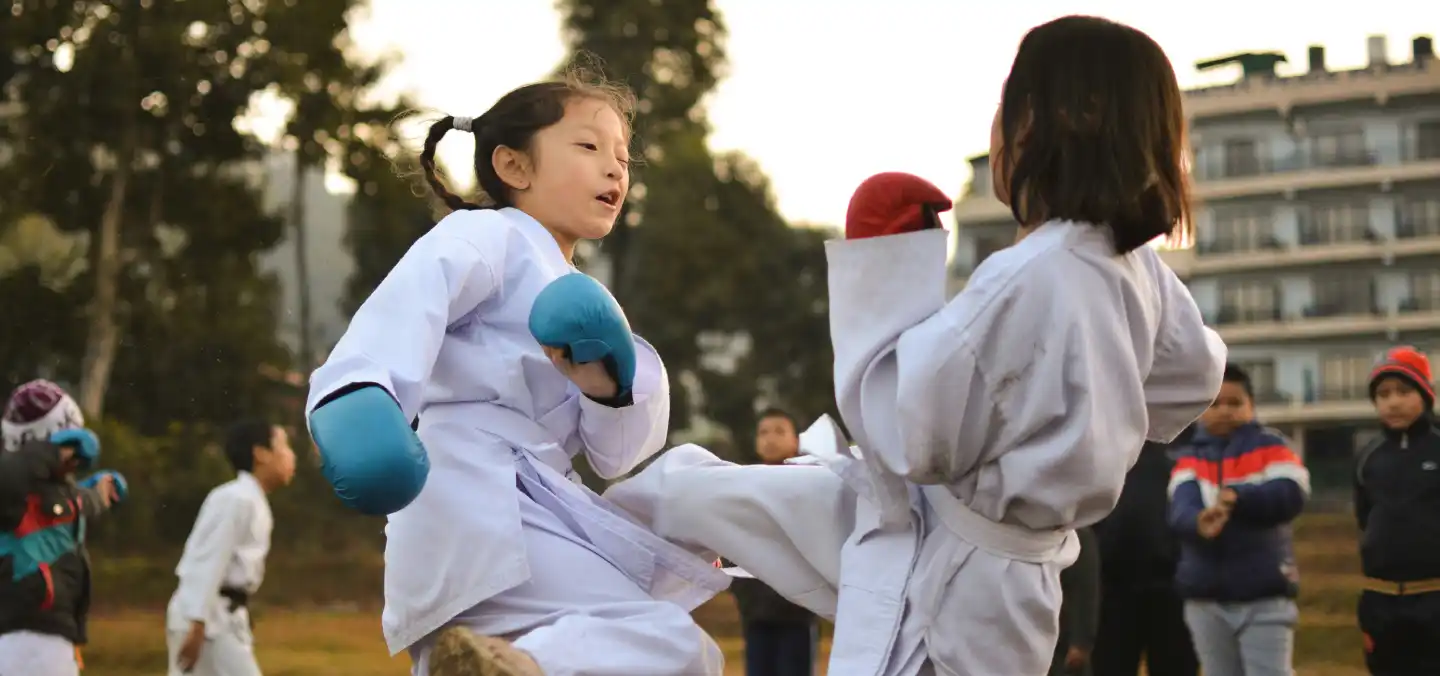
{"points": [[783, 524]]}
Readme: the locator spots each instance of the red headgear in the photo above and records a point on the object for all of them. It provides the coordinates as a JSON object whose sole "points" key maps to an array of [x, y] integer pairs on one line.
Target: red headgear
{"points": [[893, 203], [1408, 364]]}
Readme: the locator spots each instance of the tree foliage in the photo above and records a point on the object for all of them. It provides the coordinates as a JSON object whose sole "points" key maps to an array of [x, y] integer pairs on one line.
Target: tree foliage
{"points": [[707, 269], [131, 189]]}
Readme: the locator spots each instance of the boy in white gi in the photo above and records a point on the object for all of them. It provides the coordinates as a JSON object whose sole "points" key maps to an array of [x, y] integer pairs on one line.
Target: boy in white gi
{"points": [[995, 424], [497, 559], [208, 621]]}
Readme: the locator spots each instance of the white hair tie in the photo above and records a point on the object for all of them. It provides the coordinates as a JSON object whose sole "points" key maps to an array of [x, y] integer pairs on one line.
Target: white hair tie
{"points": [[462, 123]]}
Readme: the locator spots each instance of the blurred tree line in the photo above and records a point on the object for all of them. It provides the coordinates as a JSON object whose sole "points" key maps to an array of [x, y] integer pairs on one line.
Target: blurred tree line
{"points": [[132, 219]]}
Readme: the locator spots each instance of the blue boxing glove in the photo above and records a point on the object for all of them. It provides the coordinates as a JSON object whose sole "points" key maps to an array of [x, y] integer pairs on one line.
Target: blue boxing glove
{"points": [[80, 440], [368, 452], [578, 314], [122, 488]]}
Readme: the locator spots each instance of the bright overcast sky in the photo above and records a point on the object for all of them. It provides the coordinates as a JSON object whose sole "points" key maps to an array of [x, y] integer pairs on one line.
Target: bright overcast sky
{"points": [[826, 92]]}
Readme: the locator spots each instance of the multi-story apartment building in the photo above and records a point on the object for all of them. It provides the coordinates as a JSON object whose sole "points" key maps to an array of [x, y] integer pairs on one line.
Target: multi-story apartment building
{"points": [[1317, 232]]}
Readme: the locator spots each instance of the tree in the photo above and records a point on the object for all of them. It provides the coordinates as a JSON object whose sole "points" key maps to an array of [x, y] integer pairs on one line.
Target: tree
{"points": [[387, 215], [751, 318], [121, 100], [671, 55], [126, 135], [317, 73], [707, 269], [39, 273]]}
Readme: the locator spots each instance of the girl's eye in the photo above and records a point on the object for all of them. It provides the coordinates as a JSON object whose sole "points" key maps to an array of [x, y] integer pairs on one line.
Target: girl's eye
{"points": [[588, 146]]}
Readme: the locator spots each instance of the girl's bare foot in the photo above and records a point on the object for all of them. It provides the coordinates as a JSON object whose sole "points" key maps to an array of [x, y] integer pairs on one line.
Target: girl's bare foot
{"points": [[461, 652]]}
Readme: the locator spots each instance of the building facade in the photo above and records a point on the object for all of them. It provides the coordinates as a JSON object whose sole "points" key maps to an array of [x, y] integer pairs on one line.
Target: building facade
{"points": [[1317, 231]]}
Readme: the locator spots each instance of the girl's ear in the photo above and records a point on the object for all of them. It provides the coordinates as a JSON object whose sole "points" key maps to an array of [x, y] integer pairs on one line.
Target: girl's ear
{"points": [[512, 166]]}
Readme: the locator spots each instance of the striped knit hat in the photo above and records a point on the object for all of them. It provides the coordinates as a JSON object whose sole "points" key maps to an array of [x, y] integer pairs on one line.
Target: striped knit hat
{"points": [[37, 410], [1408, 364]]}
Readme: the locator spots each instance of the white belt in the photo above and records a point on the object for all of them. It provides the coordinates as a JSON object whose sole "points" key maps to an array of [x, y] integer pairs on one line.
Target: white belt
{"points": [[514, 428], [1003, 540]]}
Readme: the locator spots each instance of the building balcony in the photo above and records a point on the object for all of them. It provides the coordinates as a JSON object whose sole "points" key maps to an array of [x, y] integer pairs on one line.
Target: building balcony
{"points": [[1213, 257], [1342, 404], [1321, 321], [1285, 94], [1262, 176], [1300, 172], [1251, 166]]}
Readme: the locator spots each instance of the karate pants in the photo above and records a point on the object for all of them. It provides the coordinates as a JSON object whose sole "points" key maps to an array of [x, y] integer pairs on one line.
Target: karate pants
{"points": [[578, 615], [228, 653], [787, 526], [28, 653]]}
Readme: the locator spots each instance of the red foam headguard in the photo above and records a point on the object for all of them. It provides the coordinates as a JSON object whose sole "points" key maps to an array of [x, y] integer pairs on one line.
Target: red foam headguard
{"points": [[892, 203]]}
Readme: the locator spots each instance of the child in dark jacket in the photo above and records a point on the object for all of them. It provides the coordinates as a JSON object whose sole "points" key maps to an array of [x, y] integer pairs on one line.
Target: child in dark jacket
{"points": [[44, 570], [1397, 503], [1233, 494]]}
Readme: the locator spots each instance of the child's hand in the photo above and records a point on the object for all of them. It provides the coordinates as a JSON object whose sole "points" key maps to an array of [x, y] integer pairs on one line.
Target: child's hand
{"points": [[1212, 521], [105, 486], [592, 378], [1228, 497]]}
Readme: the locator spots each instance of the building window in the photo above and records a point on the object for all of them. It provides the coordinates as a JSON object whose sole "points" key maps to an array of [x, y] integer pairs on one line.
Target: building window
{"points": [[1341, 295], [1427, 140], [1419, 217], [1340, 148], [1242, 229], [1345, 377], [1262, 379], [1242, 158], [1337, 223], [1425, 291], [1250, 301]]}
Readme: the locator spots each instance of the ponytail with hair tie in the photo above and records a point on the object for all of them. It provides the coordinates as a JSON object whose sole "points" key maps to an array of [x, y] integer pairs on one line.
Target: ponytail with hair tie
{"points": [[427, 161]]}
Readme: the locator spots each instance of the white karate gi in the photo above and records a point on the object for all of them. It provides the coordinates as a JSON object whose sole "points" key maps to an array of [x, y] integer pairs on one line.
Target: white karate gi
{"points": [[992, 426], [226, 550], [565, 575]]}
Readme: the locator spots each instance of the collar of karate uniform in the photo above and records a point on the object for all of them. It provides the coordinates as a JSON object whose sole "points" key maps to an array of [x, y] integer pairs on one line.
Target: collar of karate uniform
{"points": [[536, 232]]}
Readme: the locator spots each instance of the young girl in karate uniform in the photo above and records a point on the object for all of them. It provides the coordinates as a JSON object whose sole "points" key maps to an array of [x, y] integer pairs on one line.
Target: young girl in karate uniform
{"points": [[498, 561], [992, 425]]}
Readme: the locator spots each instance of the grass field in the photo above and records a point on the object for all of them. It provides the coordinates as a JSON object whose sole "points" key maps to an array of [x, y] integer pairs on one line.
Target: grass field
{"points": [[321, 643]]}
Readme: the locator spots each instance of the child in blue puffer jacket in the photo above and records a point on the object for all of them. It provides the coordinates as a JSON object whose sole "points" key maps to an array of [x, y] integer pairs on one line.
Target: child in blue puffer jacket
{"points": [[1233, 493]]}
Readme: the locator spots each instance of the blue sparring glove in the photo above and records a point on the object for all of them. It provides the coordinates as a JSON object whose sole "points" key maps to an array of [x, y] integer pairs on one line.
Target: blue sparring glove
{"points": [[80, 440], [122, 489], [368, 452], [578, 314]]}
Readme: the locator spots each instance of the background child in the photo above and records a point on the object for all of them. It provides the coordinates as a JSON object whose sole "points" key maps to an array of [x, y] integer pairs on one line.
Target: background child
{"points": [[1397, 502], [1142, 618], [780, 637], [1080, 612], [45, 598], [1233, 494], [208, 619], [490, 531]]}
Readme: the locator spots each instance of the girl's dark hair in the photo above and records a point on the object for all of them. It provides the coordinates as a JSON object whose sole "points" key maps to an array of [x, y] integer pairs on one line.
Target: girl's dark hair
{"points": [[513, 122], [1093, 130]]}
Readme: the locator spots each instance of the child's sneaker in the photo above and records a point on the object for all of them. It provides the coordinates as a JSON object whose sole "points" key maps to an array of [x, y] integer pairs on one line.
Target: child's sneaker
{"points": [[461, 652]]}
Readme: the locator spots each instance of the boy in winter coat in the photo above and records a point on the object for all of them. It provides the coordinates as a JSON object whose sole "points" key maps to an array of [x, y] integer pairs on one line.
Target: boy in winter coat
{"points": [[1397, 502], [1232, 498]]}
